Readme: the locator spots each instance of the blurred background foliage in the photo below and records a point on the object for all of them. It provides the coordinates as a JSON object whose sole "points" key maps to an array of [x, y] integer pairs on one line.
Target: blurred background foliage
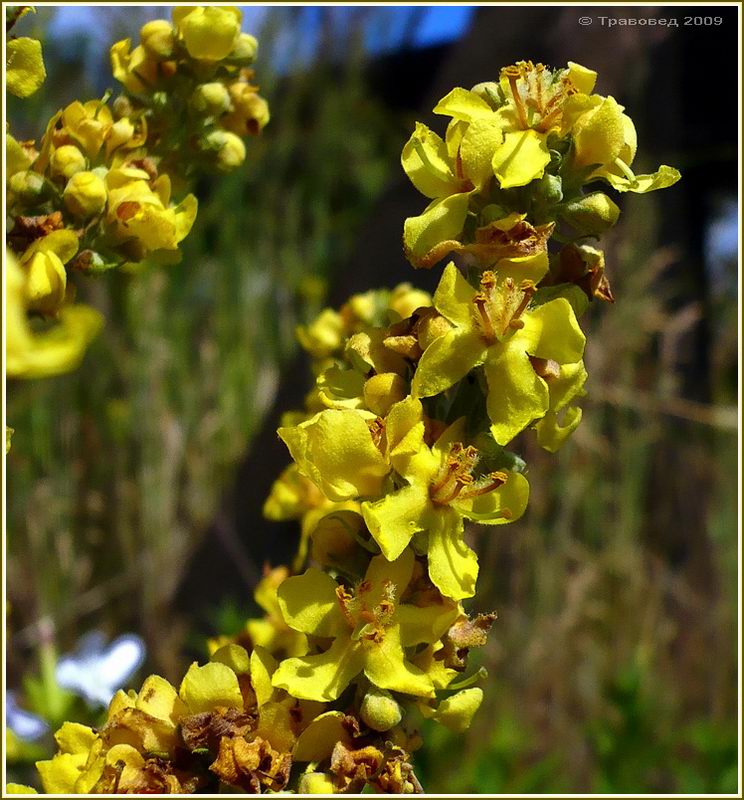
{"points": [[135, 484]]}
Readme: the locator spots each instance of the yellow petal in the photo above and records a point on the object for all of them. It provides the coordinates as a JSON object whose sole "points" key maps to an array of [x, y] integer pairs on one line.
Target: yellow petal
{"points": [[456, 712], [309, 603], [463, 104], [335, 450], [582, 77], [75, 738], [480, 142], [209, 687], [160, 700], [384, 574], [516, 394], [552, 331], [262, 666], [395, 518], [322, 677], [58, 776], [640, 184], [503, 505], [599, 134], [552, 432], [429, 237], [24, 66], [317, 741], [453, 566], [386, 667], [233, 656], [447, 360], [427, 164], [521, 158], [453, 298], [211, 32]]}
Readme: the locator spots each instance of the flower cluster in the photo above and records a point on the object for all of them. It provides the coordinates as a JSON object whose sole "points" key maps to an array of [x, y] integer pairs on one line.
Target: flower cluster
{"points": [[106, 186], [401, 445]]}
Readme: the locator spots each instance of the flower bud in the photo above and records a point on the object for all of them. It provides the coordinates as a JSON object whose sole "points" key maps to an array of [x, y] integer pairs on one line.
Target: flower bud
{"points": [[430, 328], [245, 50], [27, 186], [210, 98], [85, 194], [324, 335], [404, 300], [379, 710], [548, 189], [66, 161], [382, 391], [46, 282], [210, 33], [158, 38], [591, 215], [230, 149], [316, 783]]}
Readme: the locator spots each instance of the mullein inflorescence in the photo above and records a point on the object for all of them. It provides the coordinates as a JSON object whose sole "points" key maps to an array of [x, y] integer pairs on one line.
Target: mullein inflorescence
{"points": [[401, 443], [107, 184]]}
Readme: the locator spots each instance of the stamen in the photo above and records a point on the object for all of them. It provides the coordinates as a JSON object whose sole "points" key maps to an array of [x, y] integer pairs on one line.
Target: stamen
{"points": [[481, 303], [496, 479], [528, 288], [512, 76]]}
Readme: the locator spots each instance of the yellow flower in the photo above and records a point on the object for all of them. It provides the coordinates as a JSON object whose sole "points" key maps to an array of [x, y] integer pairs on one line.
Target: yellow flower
{"points": [[64, 773], [210, 32], [46, 278], [88, 124], [24, 66], [605, 138], [369, 626], [141, 212], [229, 149], [158, 38], [135, 69], [85, 195], [442, 487], [35, 355], [66, 161], [496, 327], [250, 112], [336, 450]]}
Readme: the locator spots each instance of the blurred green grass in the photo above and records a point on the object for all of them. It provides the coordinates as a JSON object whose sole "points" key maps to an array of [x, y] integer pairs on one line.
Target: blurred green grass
{"points": [[612, 664]]}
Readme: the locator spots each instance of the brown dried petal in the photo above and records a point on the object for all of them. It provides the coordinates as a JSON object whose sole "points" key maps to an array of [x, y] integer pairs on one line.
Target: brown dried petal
{"points": [[205, 730]]}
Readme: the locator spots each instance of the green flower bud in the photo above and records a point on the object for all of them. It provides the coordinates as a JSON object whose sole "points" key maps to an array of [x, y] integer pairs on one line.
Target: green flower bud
{"points": [[158, 38], [245, 50], [85, 195], [591, 215], [210, 98], [66, 161], [548, 189], [27, 186], [230, 149], [379, 710]]}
